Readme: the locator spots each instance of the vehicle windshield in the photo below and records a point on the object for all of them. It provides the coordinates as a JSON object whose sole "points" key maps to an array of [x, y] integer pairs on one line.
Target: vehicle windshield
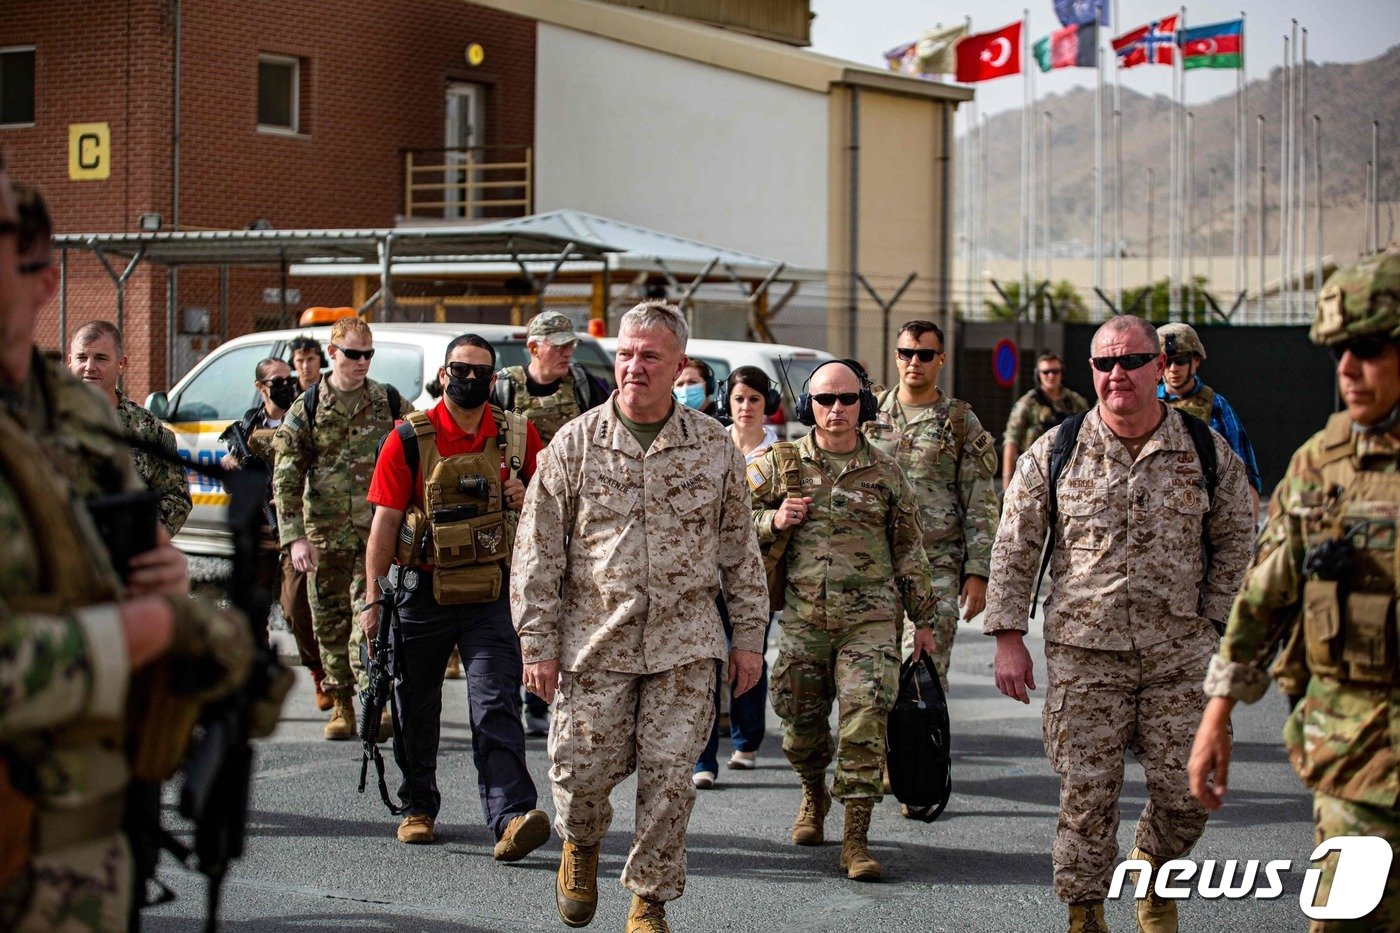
{"points": [[224, 389], [399, 365]]}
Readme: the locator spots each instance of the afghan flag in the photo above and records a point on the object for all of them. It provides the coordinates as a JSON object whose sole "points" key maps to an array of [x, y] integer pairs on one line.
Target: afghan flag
{"points": [[1219, 45], [1074, 46]]}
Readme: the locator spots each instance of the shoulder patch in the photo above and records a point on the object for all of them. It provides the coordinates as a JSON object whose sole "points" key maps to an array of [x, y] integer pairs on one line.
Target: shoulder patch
{"points": [[294, 423], [757, 476]]}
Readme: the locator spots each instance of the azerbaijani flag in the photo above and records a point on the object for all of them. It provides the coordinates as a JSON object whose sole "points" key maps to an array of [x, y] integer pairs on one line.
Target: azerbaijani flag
{"points": [[1075, 46], [1219, 45]]}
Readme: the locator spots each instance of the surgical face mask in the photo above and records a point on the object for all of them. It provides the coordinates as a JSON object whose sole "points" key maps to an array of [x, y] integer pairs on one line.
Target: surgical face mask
{"points": [[691, 396], [467, 393]]}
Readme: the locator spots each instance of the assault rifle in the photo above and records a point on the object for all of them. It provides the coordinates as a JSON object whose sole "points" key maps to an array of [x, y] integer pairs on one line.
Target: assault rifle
{"points": [[218, 761], [237, 436], [379, 691]]}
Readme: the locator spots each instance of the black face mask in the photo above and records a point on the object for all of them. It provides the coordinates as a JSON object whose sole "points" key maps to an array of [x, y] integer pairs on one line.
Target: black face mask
{"points": [[467, 393], [284, 395]]}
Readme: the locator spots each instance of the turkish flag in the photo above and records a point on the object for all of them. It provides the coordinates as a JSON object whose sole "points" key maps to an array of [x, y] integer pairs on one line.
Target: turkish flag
{"points": [[988, 55]]}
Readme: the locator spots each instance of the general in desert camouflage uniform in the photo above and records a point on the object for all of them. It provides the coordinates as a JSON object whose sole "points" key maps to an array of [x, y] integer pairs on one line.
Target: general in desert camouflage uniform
{"points": [[1127, 620], [96, 356], [320, 481], [855, 567], [630, 527], [1324, 585], [950, 460]]}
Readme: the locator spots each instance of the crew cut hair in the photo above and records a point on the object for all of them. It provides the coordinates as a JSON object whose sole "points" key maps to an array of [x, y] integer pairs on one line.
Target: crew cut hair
{"points": [[1128, 324], [657, 314], [469, 340], [93, 331]]}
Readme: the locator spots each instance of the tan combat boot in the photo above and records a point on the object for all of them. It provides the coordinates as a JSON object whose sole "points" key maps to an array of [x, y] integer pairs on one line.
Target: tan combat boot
{"points": [[1087, 917], [576, 887], [860, 865], [342, 722], [1154, 914], [808, 829], [647, 916]]}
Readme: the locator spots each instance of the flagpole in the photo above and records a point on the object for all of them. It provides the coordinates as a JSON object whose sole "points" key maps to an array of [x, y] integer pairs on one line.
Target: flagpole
{"points": [[1098, 159], [1300, 133], [1240, 271], [1172, 168], [1375, 186], [1025, 155], [1151, 196], [1284, 178], [1263, 216], [1178, 185], [1045, 195], [970, 167], [1317, 205], [1117, 164], [1031, 204], [1188, 208], [982, 173], [1210, 230]]}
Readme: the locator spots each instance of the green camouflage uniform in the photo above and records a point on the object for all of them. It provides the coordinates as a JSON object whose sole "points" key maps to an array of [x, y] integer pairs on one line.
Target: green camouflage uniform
{"points": [[1343, 737], [159, 476], [63, 667], [320, 486], [951, 468], [855, 567], [1035, 413]]}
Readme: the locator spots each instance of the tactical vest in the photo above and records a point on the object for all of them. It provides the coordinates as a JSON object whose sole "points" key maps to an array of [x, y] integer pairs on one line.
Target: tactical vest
{"points": [[549, 413], [789, 463], [463, 527], [1047, 414], [1349, 605], [72, 573], [1200, 404]]}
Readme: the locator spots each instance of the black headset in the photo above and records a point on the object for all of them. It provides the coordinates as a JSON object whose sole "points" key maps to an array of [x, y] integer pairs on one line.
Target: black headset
{"points": [[772, 397], [868, 403]]}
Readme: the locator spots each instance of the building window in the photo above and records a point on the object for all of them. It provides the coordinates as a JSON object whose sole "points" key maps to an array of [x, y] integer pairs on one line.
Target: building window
{"points": [[17, 85], [279, 94]]}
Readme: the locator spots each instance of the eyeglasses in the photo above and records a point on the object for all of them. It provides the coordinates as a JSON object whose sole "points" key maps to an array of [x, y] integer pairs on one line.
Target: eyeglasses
{"points": [[1363, 348], [1051, 372], [459, 370], [278, 382], [354, 354], [1181, 359], [35, 265], [925, 356], [827, 399], [1129, 361]]}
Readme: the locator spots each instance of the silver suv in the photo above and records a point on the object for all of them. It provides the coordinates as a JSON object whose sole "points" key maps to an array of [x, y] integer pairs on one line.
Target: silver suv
{"points": [[220, 389]]}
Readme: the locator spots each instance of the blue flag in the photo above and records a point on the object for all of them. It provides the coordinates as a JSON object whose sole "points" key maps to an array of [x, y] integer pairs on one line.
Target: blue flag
{"points": [[1082, 12]]}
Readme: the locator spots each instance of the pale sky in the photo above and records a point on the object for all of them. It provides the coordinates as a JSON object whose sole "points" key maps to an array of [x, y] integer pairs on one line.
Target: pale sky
{"points": [[1338, 31]]}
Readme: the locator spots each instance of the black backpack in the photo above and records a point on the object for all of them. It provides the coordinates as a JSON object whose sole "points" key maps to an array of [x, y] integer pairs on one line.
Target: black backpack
{"points": [[918, 740], [312, 398], [1064, 446]]}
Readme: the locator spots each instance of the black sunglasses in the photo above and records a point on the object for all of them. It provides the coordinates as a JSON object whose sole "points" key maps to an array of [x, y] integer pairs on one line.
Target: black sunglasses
{"points": [[277, 382], [459, 370], [1129, 361], [1363, 348], [354, 354], [827, 399], [1051, 372], [925, 356], [1181, 359]]}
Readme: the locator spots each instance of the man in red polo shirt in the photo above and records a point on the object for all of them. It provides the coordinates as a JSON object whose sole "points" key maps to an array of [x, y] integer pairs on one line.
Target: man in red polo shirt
{"points": [[453, 591]]}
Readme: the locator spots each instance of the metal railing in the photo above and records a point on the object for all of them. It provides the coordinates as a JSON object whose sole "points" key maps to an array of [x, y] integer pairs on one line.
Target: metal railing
{"points": [[477, 183]]}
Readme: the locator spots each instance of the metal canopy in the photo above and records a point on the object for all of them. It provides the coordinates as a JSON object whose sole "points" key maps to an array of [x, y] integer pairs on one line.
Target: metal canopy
{"points": [[279, 247]]}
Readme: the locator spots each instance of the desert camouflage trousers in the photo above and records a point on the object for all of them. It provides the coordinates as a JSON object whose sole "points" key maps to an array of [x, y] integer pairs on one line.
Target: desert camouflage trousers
{"points": [[1333, 817], [946, 568], [857, 668], [1099, 705], [605, 726], [83, 888], [336, 589]]}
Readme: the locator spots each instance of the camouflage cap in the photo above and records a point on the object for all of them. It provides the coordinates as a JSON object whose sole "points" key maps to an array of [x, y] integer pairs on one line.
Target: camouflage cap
{"points": [[1361, 300], [1178, 338], [552, 326]]}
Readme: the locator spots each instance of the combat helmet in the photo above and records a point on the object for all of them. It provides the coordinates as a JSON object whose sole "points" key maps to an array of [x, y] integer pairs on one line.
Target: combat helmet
{"points": [[1361, 300], [1178, 338]]}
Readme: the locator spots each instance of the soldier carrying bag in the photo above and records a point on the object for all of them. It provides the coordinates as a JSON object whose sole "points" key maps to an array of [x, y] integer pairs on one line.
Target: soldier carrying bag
{"points": [[918, 741]]}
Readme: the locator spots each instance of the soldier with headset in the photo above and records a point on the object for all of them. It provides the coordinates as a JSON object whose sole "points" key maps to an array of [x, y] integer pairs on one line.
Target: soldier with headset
{"points": [[847, 522], [1323, 585]]}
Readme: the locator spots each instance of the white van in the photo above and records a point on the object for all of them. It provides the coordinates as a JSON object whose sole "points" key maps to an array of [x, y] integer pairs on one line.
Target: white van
{"points": [[220, 389], [788, 366]]}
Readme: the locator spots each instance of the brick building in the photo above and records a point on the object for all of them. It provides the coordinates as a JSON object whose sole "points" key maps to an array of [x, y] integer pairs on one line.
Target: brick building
{"points": [[290, 114]]}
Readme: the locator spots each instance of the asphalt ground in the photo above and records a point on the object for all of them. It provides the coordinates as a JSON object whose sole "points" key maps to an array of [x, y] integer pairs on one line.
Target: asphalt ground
{"points": [[321, 857]]}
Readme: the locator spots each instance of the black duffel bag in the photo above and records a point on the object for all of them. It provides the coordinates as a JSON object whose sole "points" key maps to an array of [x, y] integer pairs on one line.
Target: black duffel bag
{"points": [[918, 744]]}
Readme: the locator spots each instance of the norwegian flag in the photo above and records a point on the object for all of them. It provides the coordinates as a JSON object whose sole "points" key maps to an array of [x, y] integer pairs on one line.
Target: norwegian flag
{"points": [[1153, 44]]}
